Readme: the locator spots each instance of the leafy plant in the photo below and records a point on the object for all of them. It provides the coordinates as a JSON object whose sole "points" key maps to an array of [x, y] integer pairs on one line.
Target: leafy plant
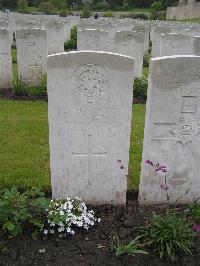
{"points": [[64, 216], [108, 15], [121, 249], [103, 5], [72, 43], [22, 89], [47, 8], [195, 211], [86, 14], [156, 5], [168, 235], [141, 16], [146, 59], [140, 87], [19, 209]]}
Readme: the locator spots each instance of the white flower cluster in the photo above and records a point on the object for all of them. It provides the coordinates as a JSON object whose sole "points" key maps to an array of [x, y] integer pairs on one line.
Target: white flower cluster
{"points": [[63, 216]]}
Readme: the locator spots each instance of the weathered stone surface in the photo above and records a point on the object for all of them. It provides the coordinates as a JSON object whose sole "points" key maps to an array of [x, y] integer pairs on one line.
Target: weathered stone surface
{"points": [[156, 36], [6, 74], [175, 44], [92, 39], [31, 55], [55, 37], [172, 131], [131, 43], [90, 108]]}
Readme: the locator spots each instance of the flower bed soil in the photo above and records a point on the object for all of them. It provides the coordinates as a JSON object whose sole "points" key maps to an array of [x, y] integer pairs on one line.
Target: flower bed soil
{"points": [[10, 96], [92, 247]]}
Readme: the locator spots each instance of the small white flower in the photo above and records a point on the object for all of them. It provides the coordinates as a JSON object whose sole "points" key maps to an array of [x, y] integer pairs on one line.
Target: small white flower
{"points": [[45, 232], [99, 220], [52, 231], [61, 229], [61, 224], [62, 213], [52, 224]]}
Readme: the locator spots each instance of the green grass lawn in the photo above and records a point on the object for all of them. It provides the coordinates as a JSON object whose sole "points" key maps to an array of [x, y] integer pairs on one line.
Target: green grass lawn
{"points": [[24, 145]]}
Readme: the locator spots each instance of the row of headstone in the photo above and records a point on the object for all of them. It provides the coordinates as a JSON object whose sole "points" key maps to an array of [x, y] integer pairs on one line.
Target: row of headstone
{"points": [[89, 112], [117, 36], [33, 43]]}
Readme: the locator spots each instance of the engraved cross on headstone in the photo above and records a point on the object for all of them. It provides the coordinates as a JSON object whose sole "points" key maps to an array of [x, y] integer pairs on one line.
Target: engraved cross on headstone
{"points": [[89, 154], [184, 131]]}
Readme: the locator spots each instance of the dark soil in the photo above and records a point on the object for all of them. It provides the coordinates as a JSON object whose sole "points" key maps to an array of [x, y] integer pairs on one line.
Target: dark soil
{"points": [[9, 95], [93, 247]]}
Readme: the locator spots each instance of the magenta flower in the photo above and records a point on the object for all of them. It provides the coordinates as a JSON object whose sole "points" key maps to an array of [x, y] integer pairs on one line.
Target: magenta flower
{"points": [[196, 228], [164, 187], [149, 162]]}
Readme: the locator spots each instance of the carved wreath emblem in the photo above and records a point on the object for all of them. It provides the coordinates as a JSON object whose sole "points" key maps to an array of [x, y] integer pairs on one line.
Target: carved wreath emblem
{"points": [[93, 40], [89, 83], [128, 41], [31, 39]]}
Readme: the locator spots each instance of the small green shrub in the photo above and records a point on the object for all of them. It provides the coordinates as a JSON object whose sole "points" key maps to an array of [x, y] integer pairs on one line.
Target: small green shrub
{"points": [[146, 59], [140, 87], [108, 15], [72, 43], [195, 211], [168, 235], [128, 15], [86, 14], [18, 210], [22, 89], [103, 5], [156, 5], [141, 16], [63, 13], [121, 249], [47, 8]]}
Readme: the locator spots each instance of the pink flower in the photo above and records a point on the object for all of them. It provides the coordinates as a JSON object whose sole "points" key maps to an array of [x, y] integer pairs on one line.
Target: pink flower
{"points": [[164, 187], [149, 162], [196, 228]]}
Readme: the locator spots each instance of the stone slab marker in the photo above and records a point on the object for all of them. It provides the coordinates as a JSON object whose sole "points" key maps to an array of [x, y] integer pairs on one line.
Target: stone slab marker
{"points": [[131, 43], [55, 37], [93, 39], [6, 75], [158, 30], [89, 110], [175, 44], [31, 55], [172, 130]]}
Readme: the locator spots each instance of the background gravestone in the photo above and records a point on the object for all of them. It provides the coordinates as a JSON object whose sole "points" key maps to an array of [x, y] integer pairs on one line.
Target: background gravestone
{"points": [[55, 37], [175, 44], [6, 75], [172, 131], [31, 55], [92, 39], [89, 109], [131, 43]]}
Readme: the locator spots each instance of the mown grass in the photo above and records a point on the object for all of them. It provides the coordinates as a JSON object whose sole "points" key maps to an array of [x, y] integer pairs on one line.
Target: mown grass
{"points": [[24, 154], [24, 148]]}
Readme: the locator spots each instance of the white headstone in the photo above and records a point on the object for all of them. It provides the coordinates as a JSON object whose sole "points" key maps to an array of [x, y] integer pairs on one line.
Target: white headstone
{"points": [[31, 55], [196, 45], [6, 74], [91, 39], [131, 43], [90, 108], [175, 44], [156, 39], [172, 131], [55, 37]]}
